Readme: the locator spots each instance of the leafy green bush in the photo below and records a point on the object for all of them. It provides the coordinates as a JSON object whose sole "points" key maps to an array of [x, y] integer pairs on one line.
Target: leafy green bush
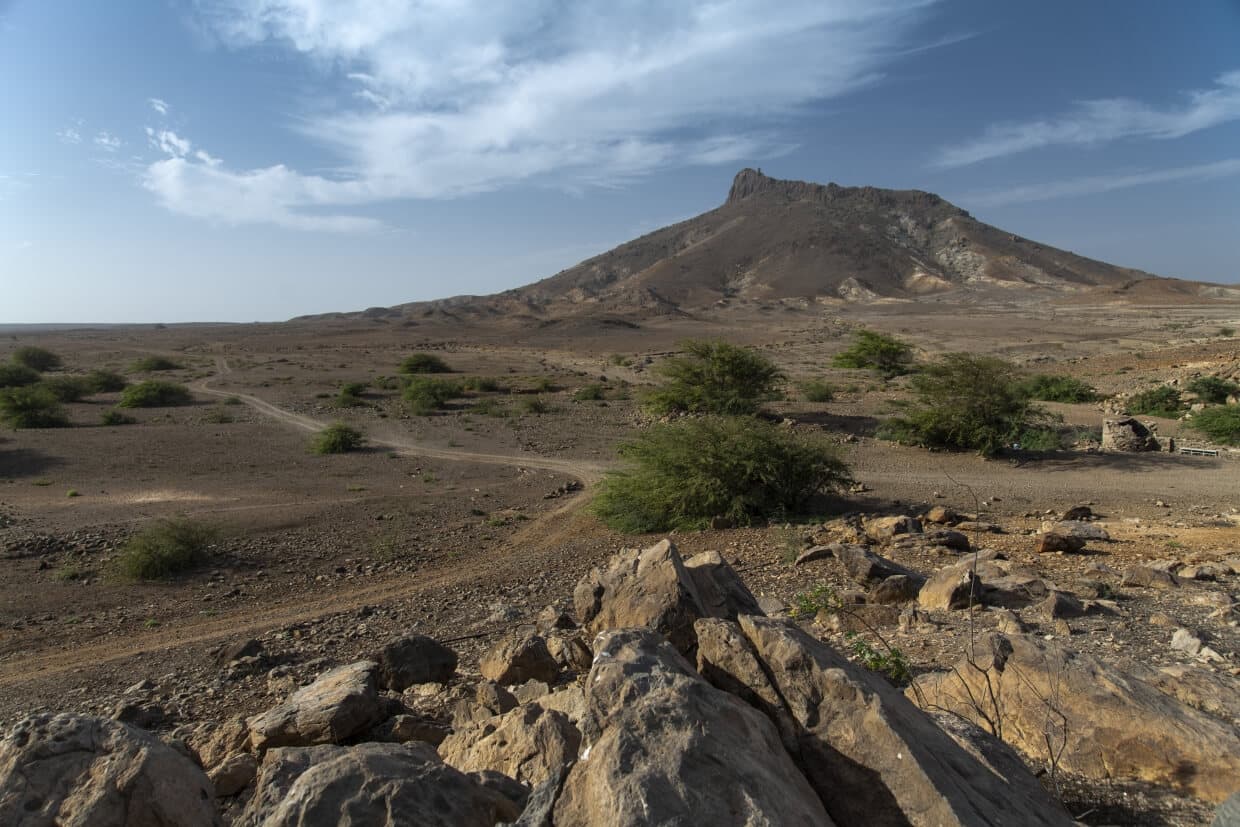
{"points": [[743, 470], [337, 438], [816, 390], [1221, 424], [148, 364], [482, 384], [116, 417], [426, 395], [14, 375], [154, 393], [106, 381], [1213, 389], [31, 406], [876, 351], [36, 358], [590, 393], [424, 363], [715, 377], [1162, 401], [1047, 387], [966, 402], [165, 549], [350, 395], [69, 388]]}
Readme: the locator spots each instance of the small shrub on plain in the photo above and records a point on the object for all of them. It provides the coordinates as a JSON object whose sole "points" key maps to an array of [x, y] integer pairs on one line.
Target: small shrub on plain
{"points": [[165, 549], [155, 393], [424, 363], [337, 438], [36, 358]]}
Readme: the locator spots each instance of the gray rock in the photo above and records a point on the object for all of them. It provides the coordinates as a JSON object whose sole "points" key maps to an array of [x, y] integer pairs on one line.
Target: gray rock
{"points": [[518, 658], [414, 659], [340, 704], [1127, 435]]}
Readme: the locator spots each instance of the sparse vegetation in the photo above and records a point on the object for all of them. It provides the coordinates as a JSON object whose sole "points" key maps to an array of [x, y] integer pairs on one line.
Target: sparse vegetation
{"points": [[966, 402], [154, 393], [534, 405], [149, 364], [1227, 332], [105, 381], [424, 363], [350, 395], [425, 395], [218, 416], [14, 375], [1213, 389], [165, 549], [715, 377], [887, 355], [489, 407], [1221, 423], [31, 406], [590, 393], [482, 384], [1162, 401], [1047, 387], [116, 417], [741, 470], [816, 390], [69, 388], [893, 662], [36, 358], [337, 438]]}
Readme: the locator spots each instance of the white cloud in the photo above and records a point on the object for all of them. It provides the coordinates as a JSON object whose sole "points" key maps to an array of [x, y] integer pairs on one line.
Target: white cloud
{"points": [[158, 105], [1100, 121], [456, 98], [168, 142], [69, 136], [1094, 184], [107, 141]]}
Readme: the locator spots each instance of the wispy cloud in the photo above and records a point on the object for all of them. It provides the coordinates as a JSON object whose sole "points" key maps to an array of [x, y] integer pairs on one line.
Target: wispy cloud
{"points": [[1094, 184], [1094, 122], [107, 141], [458, 98], [69, 136], [159, 105]]}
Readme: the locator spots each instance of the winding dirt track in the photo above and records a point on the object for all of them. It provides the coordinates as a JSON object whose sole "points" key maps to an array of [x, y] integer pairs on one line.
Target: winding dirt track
{"points": [[536, 540]]}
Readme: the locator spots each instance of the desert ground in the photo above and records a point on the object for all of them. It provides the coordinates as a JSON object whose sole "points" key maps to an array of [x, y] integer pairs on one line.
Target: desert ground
{"points": [[459, 524]]}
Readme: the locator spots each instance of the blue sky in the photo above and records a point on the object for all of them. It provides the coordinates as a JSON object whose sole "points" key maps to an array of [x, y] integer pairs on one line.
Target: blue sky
{"points": [[192, 160]]}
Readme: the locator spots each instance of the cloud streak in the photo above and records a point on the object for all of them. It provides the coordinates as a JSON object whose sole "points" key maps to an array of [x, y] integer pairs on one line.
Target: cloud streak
{"points": [[1095, 122], [107, 141], [1095, 184], [449, 99], [160, 106]]}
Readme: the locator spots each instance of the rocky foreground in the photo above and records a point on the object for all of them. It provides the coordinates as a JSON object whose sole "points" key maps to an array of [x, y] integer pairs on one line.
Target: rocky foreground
{"points": [[666, 696]]}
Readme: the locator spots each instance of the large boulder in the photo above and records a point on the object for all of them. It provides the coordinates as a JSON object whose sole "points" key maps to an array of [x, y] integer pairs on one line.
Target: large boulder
{"points": [[987, 580], [871, 755], [666, 747], [518, 658], [530, 744], [412, 660], [720, 589], [341, 703], [1127, 435], [1098, 721], [885, 528], [81, 771], [371, 785]]}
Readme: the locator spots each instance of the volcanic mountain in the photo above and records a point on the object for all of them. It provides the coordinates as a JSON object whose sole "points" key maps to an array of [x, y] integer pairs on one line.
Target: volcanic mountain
{"points": [[780, 242]]}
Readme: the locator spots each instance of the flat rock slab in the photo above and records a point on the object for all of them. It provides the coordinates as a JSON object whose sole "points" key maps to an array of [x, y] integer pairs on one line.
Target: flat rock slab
{"points": [[340, 704]]}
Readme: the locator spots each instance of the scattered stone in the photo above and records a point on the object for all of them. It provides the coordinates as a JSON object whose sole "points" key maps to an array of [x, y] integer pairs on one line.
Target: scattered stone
{"points": [[1076, 528], [814, 553], [1077, 513], [942, 515], [899, 588], [867, 568], [1185, 641], [884, 528], [1149, 578], [1050, 542], [1059, 605], [341, 703], [519, 658]]}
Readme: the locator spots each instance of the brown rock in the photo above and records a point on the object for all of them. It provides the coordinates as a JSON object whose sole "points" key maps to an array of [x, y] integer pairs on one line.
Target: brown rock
{"points": [[414, 659], [1127, 435], [1059, 605], [813, 554], [489, 699], [867, 568], [720, 591], [898, 588], [400, 729], [1149, 578], [530, 744], [341, 703], [942, 515], [570, 651], [234, 774], [1049, 543], [518, 658], [884, 528]]}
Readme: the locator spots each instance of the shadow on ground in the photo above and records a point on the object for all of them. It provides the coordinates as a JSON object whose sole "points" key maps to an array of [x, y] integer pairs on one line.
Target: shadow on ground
{"points": [[1077, 461], [25, 462]]}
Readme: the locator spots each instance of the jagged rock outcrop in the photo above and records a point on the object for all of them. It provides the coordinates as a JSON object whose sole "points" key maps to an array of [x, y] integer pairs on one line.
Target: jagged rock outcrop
{"points": [[529, 744], [1127, 435], [341, 703]]}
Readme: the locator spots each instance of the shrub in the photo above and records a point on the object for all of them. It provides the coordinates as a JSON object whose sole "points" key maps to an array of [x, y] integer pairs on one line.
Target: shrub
{"points": [[966, 402], [590, 393], [482, 384], [68, 388], [1162, 401], [715, 377], [426, 395], [105, 381], [1213, 389], [534, 405], [148, 364], [154, 393], [36, 358], [116, 417], [1227, 332], [1050, 388], [337, 438], [31, 406], [1221, 424], [218, 416], [489, 407], [816, 390], [424, 363], [165, 549], [350, 395], [876, 351], [685, 473], [14, 375]]}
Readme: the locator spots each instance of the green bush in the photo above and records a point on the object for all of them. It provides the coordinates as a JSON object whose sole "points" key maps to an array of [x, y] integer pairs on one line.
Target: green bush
{"points": [[148, 364], [1046, 387], [14, 375], [69, 388], [165, 549], [31, 406], [535, 405], [337, 438], [715, 377], [1227, 332], [876, 351], [489, 407], [1221, 424], [350, 395], [36, 358], [744, 470], [816, 390], [966, 402], [106, 381], [424, 363], [590, 393], [116, 417], [1162, 401], [154, 393], [426, 395], [482, 384], [1213, 389]]}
